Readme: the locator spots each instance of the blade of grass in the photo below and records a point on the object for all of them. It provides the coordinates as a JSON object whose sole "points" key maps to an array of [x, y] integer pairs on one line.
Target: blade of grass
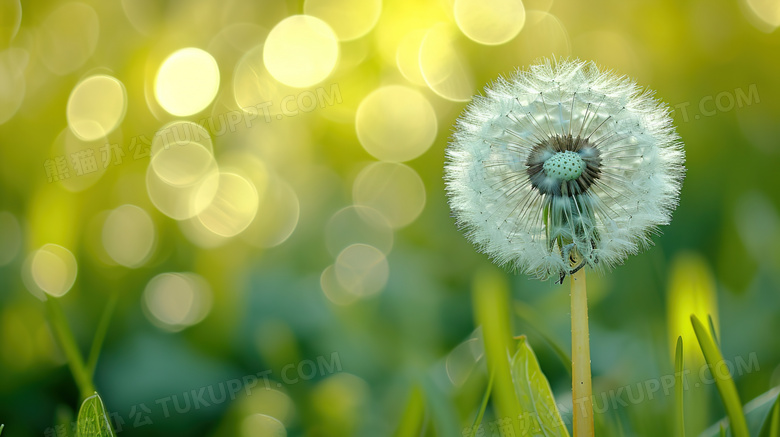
{"points": [[491, 310], [68, 343], [526, 313], [712, 330], [725, 384], [678, 387], [414, 414], [100, 333], [482, 407], [722, 431], [771, 426], [1, 429]]}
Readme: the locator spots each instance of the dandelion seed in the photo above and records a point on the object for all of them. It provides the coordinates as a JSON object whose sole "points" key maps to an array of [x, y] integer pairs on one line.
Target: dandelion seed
{"points": [[563, 166]]}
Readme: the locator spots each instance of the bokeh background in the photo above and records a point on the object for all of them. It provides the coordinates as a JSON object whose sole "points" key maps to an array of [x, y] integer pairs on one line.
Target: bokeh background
{"points": [[257, 186]]}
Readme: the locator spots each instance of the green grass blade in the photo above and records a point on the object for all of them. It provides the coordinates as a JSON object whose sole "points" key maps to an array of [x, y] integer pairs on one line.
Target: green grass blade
{"points": [[540, 413], [1, 429], [771, 426], [725, 384], [412, 419], [100, 333], [93, 419], [64, 336], [712, 330], [491, 310], [482, 407], [678, 387], [526, 313], [722, 431]]}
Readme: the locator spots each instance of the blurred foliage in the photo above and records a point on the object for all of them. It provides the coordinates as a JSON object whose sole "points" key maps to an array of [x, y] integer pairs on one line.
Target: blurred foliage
{"points": [[265, 311]]}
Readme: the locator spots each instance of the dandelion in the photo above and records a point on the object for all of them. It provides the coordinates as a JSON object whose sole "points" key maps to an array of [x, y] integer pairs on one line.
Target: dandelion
{"points": [[563, 162], [560, 167]]}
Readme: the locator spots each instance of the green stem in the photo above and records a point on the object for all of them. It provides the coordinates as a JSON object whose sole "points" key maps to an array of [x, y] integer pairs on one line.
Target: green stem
{"points": [[68, 343], [100, 334], [580, 355]]}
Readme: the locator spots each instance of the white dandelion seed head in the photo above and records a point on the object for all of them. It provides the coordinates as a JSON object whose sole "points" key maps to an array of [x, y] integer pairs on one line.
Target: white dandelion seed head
{"points": [[562, 162]]}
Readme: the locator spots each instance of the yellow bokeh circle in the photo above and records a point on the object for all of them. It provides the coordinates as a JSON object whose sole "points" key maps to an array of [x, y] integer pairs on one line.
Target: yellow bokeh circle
{"points": [[350, 19], [301, 51], [394, 190], [396, 123], [187, 82], [362, 270], [490, 22], [128, 235], [96, 107], [53, 269], [67, 37], [262, 425], [232, 208], [174, 301], [443, 67]]}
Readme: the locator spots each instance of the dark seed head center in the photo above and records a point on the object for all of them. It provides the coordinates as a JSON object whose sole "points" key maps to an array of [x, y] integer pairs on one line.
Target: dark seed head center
{"points": [[562, 165]]}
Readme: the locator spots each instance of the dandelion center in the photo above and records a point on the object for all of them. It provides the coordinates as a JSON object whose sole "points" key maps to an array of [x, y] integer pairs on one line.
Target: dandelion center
{"points": [[565, 166]]}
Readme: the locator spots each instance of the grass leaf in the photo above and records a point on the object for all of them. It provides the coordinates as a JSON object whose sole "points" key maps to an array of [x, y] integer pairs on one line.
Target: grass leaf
{"points": [[491, 311], [100, 334], [414, 415], [678, 387], [93, 419], [723, 380], [1, 429], [482, 407], [527, 314], [771, 426], [540, 414], [712, 330]]}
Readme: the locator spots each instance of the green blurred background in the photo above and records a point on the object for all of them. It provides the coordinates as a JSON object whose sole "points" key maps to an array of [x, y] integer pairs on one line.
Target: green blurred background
{"points": [[261, 192]]}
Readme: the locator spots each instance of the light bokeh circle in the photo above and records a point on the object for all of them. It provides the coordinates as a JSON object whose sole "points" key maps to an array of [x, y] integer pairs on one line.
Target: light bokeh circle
{"points": [[350, 19], [396, 123], [442, 65], [174, 301], [13, 84], [232, 208], [54, 269], [187, 82], [489, 22], [10, 19], [301, 51], [67, 37], [128, 235], [262, 425], [181, 202], [362, 270], [395, 190], [96, 106]]}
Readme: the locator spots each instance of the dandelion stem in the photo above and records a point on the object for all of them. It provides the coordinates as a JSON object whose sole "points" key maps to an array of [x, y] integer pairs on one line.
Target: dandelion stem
{"points": [[580, 358]]}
